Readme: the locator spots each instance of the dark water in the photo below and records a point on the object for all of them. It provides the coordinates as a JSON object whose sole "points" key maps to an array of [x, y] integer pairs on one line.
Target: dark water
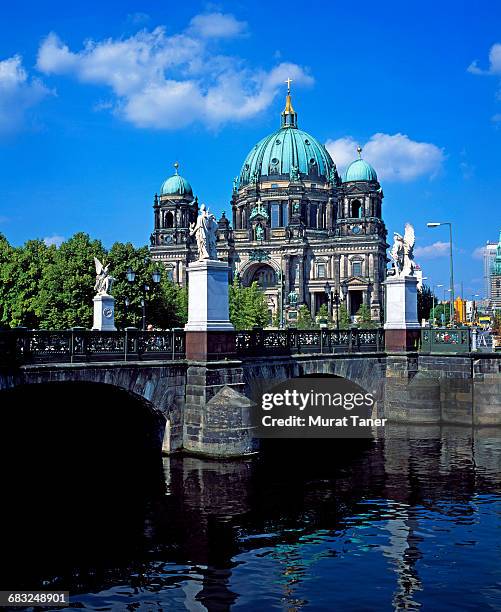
{"points": [[408, 522]]}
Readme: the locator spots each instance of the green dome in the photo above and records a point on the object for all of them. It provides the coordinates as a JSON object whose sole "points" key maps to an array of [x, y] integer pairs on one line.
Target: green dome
{"points": [[359, 170], [279, 154], [176, 185]]}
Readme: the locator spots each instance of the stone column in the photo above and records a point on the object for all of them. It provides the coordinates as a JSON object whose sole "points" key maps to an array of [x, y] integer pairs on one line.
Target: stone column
{"points": [[217, 416], [402, 328], [209, 333], [300, 279], [104, 313]]}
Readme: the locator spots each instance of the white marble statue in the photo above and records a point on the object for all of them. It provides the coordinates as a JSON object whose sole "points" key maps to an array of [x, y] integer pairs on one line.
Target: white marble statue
{"points": [[205, 232], [402, 252], [104, 281]]}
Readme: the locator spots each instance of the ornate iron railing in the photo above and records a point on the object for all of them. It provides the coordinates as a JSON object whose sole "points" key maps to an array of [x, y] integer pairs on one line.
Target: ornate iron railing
{"points": [[81, 345], [263, 342], [445, 340]]}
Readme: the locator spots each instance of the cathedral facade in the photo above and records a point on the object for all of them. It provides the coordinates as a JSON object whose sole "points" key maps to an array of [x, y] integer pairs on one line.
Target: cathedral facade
{"points": [[304, 233]]}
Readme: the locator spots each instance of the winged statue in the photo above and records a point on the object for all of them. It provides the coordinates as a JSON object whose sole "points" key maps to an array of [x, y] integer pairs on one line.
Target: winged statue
{"points": [[104, 281], [402, 252]]}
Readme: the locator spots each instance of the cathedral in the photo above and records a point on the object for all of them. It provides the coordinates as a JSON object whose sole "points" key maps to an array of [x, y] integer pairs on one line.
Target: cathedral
{"points": [[304, 233]]}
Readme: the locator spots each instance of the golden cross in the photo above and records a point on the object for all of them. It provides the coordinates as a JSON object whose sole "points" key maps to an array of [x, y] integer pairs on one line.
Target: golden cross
{"points": [[288, 81]]}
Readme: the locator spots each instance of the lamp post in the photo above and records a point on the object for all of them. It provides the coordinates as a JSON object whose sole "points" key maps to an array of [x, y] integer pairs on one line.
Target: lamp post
{"points": [[437, 224], [131, 277], [337, 301], [126, 310], [327, 289], [344, 291]]}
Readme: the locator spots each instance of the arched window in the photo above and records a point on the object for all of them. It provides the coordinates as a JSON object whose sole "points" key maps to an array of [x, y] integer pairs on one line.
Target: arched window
{"points": [[169, 219], [356, 209], [313, 214], [265, 276]]}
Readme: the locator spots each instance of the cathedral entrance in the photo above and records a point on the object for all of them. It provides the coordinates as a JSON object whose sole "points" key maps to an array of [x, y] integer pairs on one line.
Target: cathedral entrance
{"points": [[356, 300]]}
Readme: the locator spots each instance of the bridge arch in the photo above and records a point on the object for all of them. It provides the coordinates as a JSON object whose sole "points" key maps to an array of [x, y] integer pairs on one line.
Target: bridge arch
{"points": [[368, 372], [159, 388]]}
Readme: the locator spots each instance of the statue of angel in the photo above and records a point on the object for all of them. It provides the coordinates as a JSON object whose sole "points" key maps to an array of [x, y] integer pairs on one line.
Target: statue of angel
{"points": [[104, 281], [205, 233], [402, 252]]}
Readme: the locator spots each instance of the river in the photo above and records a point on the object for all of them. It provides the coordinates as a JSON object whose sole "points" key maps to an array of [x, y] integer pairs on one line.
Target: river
{"points": [[408, 522]]}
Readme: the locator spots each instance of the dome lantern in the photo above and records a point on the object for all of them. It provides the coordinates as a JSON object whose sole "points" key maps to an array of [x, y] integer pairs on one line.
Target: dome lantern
{"points": [[289, 115], [176, 185], [359, 170]]}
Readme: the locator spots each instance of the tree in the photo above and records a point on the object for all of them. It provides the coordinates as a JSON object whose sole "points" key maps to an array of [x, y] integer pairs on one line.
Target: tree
{"points": [[364, 317], [304, 319], [248, 307], [438, 311], [26, 270], [67, 286], [424, 302], [6, 281], [323, 313], [344, 317]]}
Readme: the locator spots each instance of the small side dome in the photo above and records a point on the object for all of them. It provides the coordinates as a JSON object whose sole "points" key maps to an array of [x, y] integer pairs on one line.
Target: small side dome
{"points": [[176, 185], [359, 170]]}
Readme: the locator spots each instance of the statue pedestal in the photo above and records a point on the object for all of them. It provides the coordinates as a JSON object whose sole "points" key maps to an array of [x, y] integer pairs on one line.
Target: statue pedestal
{"points": [[209, 333], [104, 313], [401, 326]]}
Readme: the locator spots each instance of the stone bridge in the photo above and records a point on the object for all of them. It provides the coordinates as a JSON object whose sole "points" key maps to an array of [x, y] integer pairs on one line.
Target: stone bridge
{"points": [[205, 406]]}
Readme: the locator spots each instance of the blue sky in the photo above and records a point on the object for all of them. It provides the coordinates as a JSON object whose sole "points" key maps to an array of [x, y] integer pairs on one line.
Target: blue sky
{"points": [[97, 100]]}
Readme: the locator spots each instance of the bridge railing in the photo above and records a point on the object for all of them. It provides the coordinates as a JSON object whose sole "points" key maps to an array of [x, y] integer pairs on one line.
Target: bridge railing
{"points": [[445, 340], [82, 345], [260, 342]]}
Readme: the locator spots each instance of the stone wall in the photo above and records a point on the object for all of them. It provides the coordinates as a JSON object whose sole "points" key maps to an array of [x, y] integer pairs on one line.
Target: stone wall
{"points": [[207, 407], [160, 386]]}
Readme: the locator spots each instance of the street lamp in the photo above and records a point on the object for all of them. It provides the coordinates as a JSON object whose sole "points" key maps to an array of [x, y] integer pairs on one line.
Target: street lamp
{"points": [[131, 277], [126, 313], [337, 301], [327, 289], [438, 224], [433, 292]]}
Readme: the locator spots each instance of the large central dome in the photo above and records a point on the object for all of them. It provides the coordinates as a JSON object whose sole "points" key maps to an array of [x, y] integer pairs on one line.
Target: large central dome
{"points": [[287, 151]]}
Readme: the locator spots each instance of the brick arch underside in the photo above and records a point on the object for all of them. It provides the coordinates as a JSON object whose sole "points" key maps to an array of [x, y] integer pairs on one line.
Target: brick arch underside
{"points": [[160, 388], [367, 372]]}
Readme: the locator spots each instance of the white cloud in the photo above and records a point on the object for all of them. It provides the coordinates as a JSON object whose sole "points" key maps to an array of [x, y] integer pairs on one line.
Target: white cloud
{"points": [[478, 253], [494, 62], [431, 251], [395, 157], [55, 239], [496, 118], [169, 81], [18, 93], [217, 25]]}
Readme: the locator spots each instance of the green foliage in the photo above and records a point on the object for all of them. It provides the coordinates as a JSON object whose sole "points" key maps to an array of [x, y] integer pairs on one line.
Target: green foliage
{"points": [[276, 319], [52, 288], [323, 312], [304, 319], [248, 307], [439, 309], [67, 284], [344, 317], [424, 303], [364, 317]]}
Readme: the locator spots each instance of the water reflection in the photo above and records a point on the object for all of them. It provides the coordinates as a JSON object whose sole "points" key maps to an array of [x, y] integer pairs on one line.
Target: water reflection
{"points": [[400, 523]]}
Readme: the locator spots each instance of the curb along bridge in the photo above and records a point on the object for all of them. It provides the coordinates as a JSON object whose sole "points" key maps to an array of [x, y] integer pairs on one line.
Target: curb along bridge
{"points": [[205, 406]]}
